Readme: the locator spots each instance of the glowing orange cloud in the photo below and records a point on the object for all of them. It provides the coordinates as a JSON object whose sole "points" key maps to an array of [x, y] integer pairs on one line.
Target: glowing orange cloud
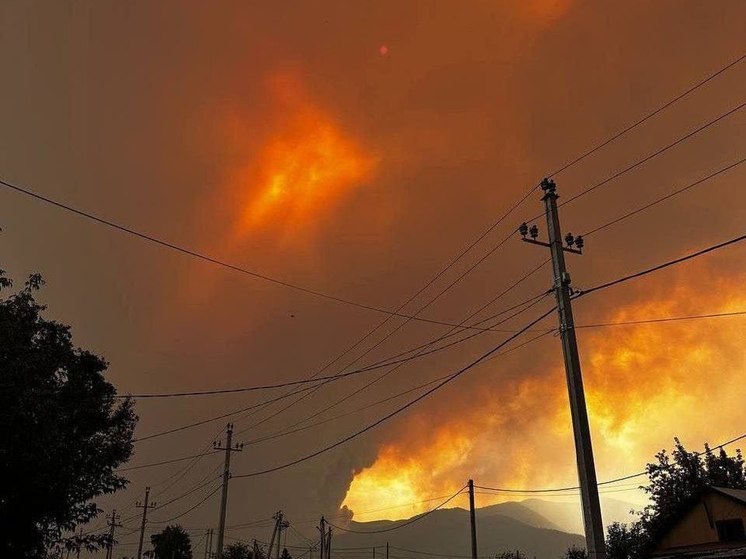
{"points": [[644, 383], [306, 167]]}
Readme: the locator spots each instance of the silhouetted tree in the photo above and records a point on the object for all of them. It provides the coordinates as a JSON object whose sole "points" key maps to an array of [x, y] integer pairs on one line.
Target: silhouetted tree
{"points": [[517, 554], [678, 480], [172, 543], [285, 554], [624, 541], [63, 431], [258, 552], [675, 482], [237, 550], [575, 552]]}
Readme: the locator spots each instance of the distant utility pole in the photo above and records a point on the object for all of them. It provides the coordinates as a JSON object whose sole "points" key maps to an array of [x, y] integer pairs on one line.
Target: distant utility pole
{"points": [[113, 524], [387, 550], [145, 506], [322, 538], [282, 526], [594, 531], [229, 449], [329, 543], [473, 519], [208, 543]]}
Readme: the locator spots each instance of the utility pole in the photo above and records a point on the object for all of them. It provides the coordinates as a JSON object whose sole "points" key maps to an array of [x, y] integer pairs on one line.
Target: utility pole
{"points": [[208, 543], [145, 506], [282, 525], [329, 543], [473, 519], [594, 531], [229, 448], [387, 550], [113, 523], [322, 538]]}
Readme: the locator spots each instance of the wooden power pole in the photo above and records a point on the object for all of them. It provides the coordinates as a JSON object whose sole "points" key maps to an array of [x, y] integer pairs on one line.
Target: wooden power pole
{"points": [[229, 449], [113, 524], [145, 506], [473, 520]]}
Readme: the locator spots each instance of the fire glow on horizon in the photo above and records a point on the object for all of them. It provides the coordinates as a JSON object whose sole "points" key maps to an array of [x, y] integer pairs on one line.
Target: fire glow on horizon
{"points": [[645, 384]]}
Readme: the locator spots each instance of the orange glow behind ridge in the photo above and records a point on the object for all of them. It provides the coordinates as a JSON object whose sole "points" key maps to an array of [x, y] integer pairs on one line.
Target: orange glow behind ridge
{"points": [[644, 384]]}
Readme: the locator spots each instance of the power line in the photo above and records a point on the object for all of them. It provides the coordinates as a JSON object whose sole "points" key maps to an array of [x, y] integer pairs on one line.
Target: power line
{"points": [[164, 462], [400, 409], [188, 492], [650, 115], [257, 275], [176, 478], [485, 356], [420, 353], [404, 549], [422, 349], [662, 319], [666, 197], [602, 483], [291, 430], [647, 158], [569, 494], [377, 365], [286, 384], [655, 153], [647, 271], [608, 141], [184, 250], [402, 525], [215, 490], [215, 418], [379, 342]]}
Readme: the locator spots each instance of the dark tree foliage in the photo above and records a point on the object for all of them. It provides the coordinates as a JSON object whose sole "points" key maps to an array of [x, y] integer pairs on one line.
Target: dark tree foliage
{"points": [[676, 481], [285, 554], [517, 554], [172, 543], [63, 432], [575, 552], [624, 541], [237, 550], [257, 552]]}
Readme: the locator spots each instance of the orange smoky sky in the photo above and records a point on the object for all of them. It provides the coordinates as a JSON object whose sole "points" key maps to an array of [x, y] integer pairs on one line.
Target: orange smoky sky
{"points": [[354, 148], [293, 165]]}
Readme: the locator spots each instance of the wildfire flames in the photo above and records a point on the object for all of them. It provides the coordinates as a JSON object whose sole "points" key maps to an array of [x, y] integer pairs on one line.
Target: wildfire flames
{"points": [[645, 384]]}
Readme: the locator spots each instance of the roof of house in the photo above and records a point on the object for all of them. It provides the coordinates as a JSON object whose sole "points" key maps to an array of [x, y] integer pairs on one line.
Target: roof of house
{"points": [[737, 494], [701, 552]]}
